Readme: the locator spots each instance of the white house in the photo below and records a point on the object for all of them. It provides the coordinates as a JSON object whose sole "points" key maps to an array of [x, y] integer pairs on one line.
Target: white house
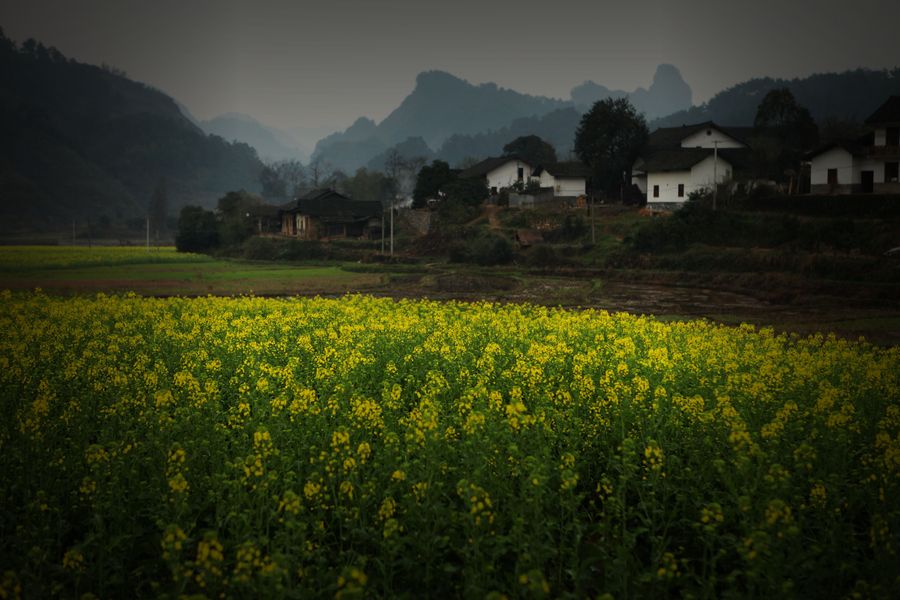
{"points": [[566, 179], [560, 180], [501, 172], [870, 164], [682, 160]]}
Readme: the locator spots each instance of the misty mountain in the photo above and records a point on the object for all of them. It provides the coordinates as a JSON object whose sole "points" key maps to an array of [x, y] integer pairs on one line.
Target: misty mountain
{"points": [[851, 95], [441, 105], [413, 147], [668, 93], [306, 138], [271, 144], [557, 128], [82, 142]]}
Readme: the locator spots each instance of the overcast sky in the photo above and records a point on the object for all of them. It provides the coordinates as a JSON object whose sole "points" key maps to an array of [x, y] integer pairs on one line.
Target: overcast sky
{"points": [[310, 64]]}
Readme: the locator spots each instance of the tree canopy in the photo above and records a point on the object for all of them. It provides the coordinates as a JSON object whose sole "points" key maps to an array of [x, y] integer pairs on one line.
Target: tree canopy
{"points": [[197, 230], [431, 180], [369, 185], [784, 131], [531, 149], [609, 139]]}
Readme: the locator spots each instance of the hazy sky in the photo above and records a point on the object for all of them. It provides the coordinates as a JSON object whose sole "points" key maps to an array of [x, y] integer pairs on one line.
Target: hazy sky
{"points": [[309, 64]]}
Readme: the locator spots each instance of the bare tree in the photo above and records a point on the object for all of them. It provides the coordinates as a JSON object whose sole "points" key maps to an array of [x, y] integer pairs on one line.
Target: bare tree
{"points": [[293, 174], [319, 170], [402, 172]]}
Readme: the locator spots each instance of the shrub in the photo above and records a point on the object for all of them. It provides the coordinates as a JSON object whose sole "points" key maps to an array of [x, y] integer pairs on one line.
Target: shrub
{"points": [[490, 249], [197, 230]]}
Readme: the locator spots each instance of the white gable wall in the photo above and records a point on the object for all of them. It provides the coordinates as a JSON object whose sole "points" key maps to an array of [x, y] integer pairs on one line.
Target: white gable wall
{"points": [[668, 186], [706, 138], [570, 186], [562, 186], [836, 158], [546, 180], [700, 177], [507, 174]]}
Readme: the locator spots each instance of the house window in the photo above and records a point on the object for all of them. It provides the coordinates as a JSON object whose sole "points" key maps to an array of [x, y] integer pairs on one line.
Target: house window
{"points": [[893, 136], [656, 191], [520, 173], [891, 172], [832, 177], [681, 190]]}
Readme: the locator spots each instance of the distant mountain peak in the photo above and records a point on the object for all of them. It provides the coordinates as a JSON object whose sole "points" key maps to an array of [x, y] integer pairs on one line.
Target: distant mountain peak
{"points": [[668, 93], [438, 77]]}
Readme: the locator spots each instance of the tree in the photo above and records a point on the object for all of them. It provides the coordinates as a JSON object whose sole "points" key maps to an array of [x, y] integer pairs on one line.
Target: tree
{"points": [[470, 191], [531, 149], [403, 171], [234, 223], [369, 185], [293, 174], [197, 230], [609, 139], [463, 200], [319, 170], [158, 208], [430, 181], [783, 132], [273, 186]]}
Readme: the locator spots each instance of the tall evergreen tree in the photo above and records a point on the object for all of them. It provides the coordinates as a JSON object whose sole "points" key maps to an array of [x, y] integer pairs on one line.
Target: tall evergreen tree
{"points": [[609, 140]]}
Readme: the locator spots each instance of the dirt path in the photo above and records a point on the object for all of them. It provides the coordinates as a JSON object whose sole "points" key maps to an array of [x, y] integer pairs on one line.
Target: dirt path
{"points": [[491, 213]]}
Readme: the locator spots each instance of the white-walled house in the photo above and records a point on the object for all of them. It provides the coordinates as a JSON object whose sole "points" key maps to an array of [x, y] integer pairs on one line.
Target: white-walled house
{"points": [[670, 177], [682, 160], [501, 172], [556, 180], [566, 179], [868, 165]]}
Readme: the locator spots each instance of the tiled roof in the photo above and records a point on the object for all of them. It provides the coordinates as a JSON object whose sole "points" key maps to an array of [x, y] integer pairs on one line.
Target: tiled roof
{"points": [[851, 146], [489, 164], [329, 205], [671, 137], [887, 113], [565, 169], [683, 159]]}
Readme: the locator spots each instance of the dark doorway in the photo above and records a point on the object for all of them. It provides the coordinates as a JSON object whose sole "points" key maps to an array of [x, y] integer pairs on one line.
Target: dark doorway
{"points": [[868, 181]]}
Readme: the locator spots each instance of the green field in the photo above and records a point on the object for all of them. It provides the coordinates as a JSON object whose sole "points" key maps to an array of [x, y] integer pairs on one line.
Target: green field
{"points": [[77, 269]]}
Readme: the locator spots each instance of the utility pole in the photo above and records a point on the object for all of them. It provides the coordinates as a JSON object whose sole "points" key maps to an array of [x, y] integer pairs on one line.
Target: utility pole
{"points": [[73, 232], [593, 234], [148, 233], [715, 173], [382, 229], [393, 198]]}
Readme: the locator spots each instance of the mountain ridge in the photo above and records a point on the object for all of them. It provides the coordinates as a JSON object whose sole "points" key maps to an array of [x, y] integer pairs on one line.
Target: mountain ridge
{"points": [[87, 143], [444, 107]]}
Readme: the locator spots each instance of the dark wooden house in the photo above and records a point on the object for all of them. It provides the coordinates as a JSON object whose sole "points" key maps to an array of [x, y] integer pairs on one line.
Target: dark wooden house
{"points": [[326, 214]]}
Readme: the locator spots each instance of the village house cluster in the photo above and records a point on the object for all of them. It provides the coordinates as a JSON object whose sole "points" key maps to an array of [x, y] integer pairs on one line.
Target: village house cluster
{"points": [[675, 163]]}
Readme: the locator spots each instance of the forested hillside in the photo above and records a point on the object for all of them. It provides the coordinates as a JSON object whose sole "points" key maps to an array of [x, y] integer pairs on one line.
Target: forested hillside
{"points": [[86, 143], [849, 96]]}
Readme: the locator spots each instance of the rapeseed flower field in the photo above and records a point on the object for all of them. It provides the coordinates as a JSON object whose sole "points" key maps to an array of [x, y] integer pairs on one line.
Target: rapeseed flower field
{"points": [[366, 447]]}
